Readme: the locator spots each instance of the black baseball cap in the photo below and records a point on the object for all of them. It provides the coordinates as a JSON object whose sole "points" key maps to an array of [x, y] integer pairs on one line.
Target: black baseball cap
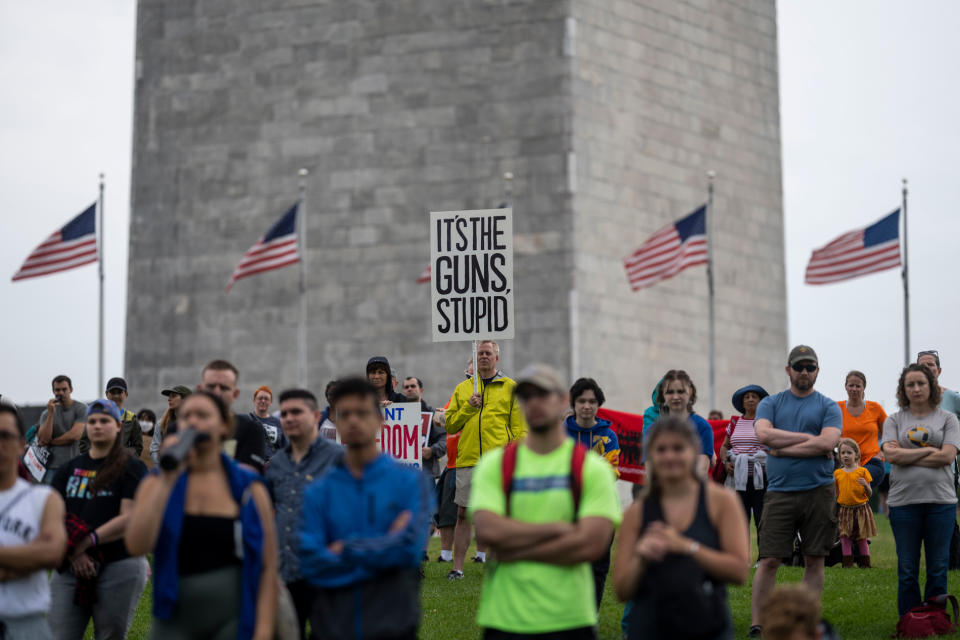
{"points": [[116, 383]]}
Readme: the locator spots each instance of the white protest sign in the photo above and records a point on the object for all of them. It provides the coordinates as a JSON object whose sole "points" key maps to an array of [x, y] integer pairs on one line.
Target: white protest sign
{"points": [[400, 434], [471, 275]]}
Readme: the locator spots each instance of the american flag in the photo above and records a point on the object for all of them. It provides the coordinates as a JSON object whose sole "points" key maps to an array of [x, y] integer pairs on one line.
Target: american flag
{"points": [[73, 245], [858, 252], [277, 249], [669, 251], [424, 277]]}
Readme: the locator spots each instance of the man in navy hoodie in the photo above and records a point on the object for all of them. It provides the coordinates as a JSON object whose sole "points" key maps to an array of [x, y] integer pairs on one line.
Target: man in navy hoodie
{"points": [[364, 527], [586, 398]]}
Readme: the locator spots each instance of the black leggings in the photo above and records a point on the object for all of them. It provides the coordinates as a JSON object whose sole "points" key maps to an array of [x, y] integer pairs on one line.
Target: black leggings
{"points": [[600, 569], [875, 467], [752, 500]]}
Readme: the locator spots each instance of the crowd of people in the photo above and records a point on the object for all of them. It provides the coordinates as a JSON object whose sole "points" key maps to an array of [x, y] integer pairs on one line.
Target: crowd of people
{"points": [[264, 525]]}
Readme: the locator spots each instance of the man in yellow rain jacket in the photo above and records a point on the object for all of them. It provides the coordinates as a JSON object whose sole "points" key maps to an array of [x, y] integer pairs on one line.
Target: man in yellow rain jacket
{"points": [[486, 420]]}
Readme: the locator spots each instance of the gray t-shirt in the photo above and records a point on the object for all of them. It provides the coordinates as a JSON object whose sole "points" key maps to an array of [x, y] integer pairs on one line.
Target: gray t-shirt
{"points": [[63, 420], [913, 484]]}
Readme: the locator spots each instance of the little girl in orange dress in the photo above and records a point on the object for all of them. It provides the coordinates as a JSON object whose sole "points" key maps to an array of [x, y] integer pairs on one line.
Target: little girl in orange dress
{"points": [[855, 521]]}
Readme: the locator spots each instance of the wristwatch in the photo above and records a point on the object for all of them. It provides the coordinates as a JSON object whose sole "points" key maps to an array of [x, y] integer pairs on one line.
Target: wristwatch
{"points": [[694, 547]]}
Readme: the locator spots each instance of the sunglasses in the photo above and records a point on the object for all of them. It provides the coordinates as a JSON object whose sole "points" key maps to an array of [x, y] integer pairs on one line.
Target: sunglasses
{"points": [[529, 392], [809, 368]]}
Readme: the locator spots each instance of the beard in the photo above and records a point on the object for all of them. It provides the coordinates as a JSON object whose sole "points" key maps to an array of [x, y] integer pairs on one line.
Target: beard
{"points": [[804, 384], [543, 427]]}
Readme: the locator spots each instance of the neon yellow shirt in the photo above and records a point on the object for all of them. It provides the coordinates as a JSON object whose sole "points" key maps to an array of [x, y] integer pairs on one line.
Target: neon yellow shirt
{"points": [[537, 597]]}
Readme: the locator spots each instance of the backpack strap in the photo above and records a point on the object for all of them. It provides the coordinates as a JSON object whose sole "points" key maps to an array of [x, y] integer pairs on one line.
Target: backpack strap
{"points": [[946, 599], [576, 477], [507, 466]]}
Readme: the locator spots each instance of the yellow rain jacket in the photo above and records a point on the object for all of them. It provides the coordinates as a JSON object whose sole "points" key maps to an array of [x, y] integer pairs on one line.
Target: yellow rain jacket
{"points": [[498, 421]]}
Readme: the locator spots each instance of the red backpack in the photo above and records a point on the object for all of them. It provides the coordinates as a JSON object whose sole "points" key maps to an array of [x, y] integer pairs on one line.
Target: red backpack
{"points": [[929, 619], [509, 465]]}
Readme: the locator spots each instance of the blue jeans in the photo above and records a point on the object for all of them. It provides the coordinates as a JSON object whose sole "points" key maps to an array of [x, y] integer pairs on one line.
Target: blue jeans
{"points": [[931, 525], [875, 467]]}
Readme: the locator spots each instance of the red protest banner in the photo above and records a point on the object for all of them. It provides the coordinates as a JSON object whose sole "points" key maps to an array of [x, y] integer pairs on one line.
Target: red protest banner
{"points": [[629, 430]]}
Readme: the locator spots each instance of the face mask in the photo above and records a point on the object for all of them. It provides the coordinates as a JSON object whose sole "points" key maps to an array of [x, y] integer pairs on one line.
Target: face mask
{"points": [[146, 426]]}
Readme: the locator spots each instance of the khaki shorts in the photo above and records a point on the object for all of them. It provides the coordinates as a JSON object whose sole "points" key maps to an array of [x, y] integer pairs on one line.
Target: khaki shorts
{"points": [[462, 495], [811, 513]]}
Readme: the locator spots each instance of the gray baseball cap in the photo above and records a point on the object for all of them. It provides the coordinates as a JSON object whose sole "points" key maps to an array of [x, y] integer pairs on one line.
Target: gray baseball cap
{"points": [[543, 377]]}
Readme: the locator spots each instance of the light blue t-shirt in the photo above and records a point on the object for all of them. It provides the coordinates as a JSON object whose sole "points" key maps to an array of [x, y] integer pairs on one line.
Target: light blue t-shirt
{"points": [[705, 431], [950, 401], [701, 426], [810, 415]]}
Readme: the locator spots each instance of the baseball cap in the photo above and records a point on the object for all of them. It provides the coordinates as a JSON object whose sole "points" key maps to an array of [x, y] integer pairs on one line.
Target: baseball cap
{"points": [[104, 405], [543, 377], [180, 390], [801, 353], [116, 383]]}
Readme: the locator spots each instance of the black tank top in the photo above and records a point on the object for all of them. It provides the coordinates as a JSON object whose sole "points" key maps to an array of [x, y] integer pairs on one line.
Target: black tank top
{"points": [[207, 543], [659, 578], [701, 529]]}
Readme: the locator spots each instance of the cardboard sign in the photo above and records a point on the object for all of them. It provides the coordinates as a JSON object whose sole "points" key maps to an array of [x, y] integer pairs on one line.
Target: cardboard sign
{"points": [[400, 435], [471, 275]]}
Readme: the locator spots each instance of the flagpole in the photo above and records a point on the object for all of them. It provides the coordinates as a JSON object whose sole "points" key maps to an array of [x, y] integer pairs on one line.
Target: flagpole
{"points": [[302, 238], [710, 290], [906, 283], [100, 243]]}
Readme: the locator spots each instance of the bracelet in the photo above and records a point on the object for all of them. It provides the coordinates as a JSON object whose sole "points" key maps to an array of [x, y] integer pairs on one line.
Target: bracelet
{"points": [[694, 547], [94, 538]]}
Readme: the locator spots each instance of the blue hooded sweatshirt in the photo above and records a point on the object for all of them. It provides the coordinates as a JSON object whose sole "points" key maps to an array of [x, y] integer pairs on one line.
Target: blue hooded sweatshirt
{"points": [[600, 438], [371, 588]]}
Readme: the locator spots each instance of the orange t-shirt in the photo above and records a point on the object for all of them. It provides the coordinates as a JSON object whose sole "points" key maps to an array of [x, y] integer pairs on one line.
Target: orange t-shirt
{"points": [[452, 440], [849, 492], [865, 429]]}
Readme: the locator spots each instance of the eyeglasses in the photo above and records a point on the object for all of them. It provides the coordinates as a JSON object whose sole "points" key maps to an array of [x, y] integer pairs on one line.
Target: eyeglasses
{"points": [[809, 368], [7, 436]]}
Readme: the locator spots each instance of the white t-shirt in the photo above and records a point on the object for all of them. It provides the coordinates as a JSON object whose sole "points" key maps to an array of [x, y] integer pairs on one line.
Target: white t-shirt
{"points": [[20, 524]]}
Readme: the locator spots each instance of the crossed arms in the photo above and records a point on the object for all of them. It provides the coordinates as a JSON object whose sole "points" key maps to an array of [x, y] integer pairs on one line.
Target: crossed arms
{"points": [[45, 431], [929, 457], [43, 552], [796, 445], [561, 543]]}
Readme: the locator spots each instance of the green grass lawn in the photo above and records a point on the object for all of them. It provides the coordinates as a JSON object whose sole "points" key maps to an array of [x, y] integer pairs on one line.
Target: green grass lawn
{"points": [[861, 603]]}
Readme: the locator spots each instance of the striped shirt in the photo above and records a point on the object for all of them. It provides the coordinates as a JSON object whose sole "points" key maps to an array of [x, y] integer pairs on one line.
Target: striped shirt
{"points": [[743, 439]]}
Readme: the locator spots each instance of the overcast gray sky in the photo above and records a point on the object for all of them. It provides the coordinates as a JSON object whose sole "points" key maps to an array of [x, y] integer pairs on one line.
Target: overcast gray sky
{"points": [[867, 97]]}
